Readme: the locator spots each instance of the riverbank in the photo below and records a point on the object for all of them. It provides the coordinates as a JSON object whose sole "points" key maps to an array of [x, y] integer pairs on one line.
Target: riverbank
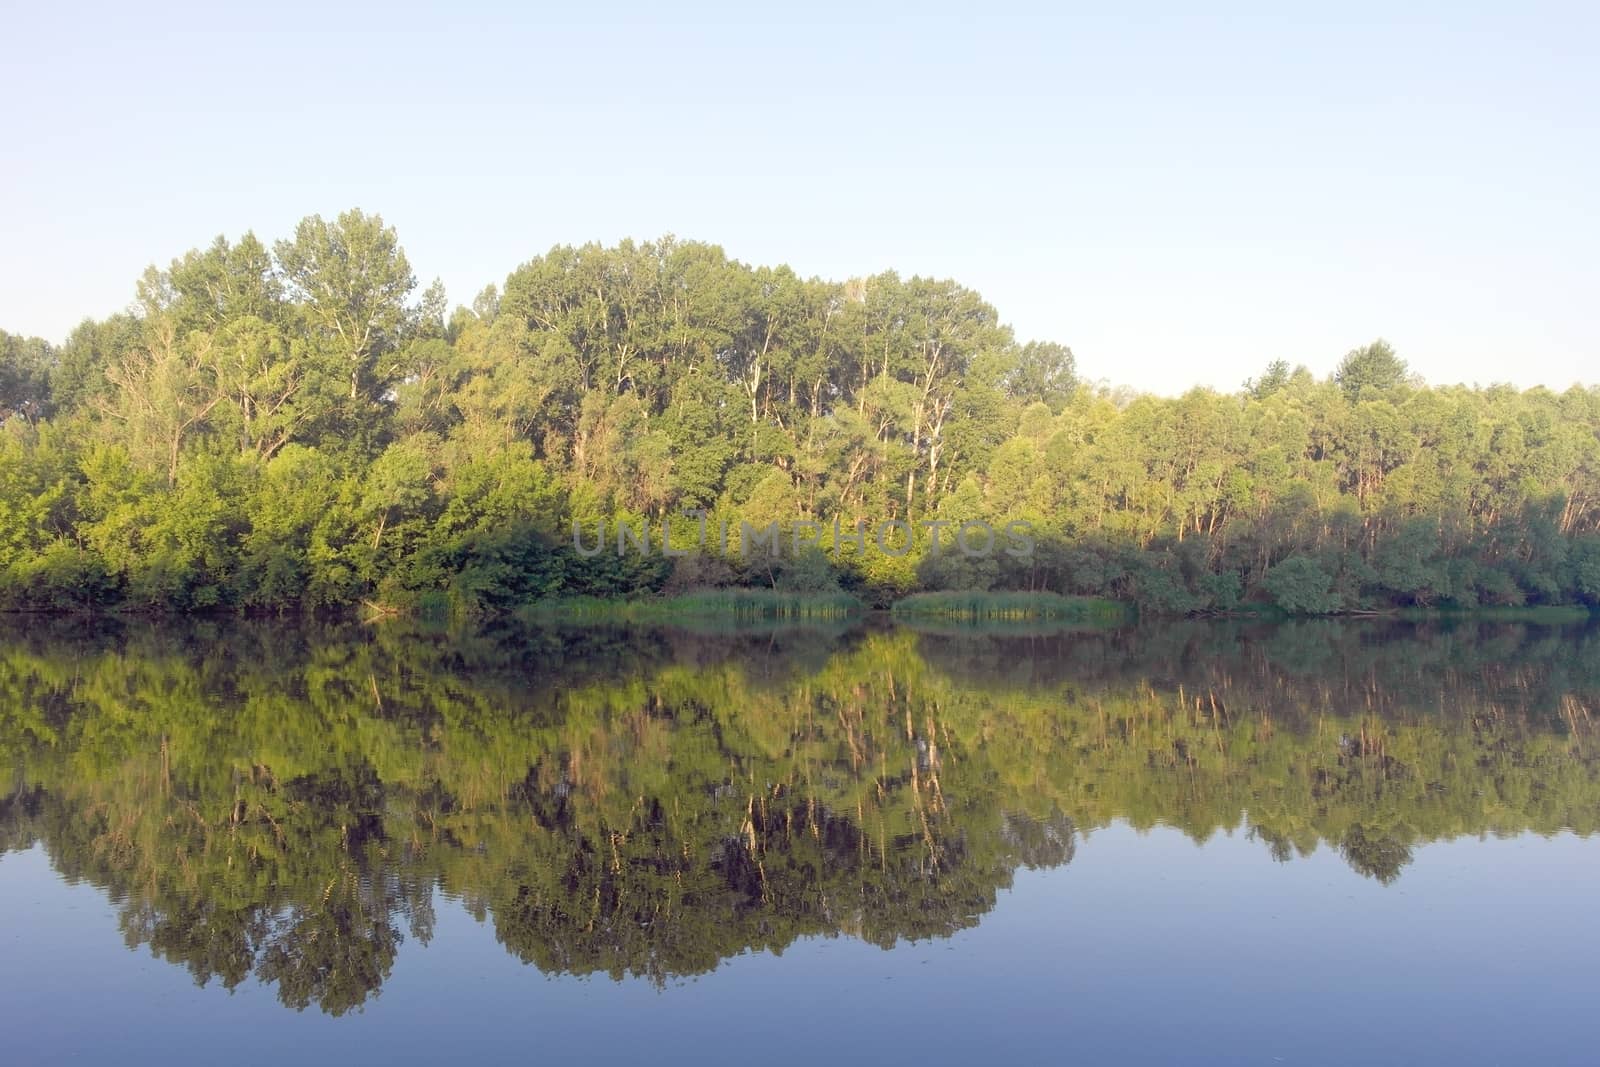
{"points": [[735, 603]]}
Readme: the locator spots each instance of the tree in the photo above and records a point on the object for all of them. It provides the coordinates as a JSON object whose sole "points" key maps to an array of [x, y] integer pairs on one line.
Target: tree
{"points": [[354, 280], [78, 378], [162, 394], [25, 366], [1042, 372], [1300, 586], [204, 290], [1275, 377], [1366, 372], [272, 393]]}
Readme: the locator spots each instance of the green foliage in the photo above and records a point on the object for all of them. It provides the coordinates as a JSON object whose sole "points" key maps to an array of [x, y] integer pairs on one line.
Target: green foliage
{"points": [[1367, 372], [1585, 560], [293, 427], [1275, 378], [1300, 586], [59, 577], [25, 364], [1043, 372], [808, 571], [353, 281]]}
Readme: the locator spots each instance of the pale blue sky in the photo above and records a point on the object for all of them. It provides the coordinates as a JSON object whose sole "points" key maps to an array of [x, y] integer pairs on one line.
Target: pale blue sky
{"points": [[1180, 198]]}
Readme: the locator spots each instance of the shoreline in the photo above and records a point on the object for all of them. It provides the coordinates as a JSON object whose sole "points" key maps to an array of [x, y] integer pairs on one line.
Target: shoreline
{"points": [[959, 608]]}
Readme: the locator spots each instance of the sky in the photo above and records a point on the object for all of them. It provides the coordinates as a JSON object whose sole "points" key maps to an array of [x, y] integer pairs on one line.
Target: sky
{"points": [[1181, 198]]}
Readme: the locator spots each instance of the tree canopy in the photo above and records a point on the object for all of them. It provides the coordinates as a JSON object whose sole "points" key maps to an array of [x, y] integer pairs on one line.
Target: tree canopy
{"points": [[296, 427]]}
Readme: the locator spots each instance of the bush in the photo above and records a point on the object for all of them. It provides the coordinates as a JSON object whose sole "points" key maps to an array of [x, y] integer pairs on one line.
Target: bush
{"points": [[63, 577], [1300, 586]]}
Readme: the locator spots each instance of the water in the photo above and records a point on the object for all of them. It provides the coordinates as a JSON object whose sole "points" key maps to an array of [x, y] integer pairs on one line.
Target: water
{"points": [[1308, 843]]}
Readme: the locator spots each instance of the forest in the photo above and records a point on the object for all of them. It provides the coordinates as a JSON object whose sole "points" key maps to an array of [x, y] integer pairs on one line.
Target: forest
{"points": [[303, 428]]}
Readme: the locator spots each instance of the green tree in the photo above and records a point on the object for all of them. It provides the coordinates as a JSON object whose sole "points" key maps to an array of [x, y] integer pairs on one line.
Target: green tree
{"points": [[25, 366], [353, 281], [1300, 586], [1366, 372], [1043, 372]]}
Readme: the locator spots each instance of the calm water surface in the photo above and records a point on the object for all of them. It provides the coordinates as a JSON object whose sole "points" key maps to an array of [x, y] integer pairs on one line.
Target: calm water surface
{"points": [[1303, 843]]}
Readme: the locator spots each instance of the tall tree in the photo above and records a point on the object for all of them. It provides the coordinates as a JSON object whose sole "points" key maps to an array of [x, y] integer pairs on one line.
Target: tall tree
{"points": [[354, 280]]}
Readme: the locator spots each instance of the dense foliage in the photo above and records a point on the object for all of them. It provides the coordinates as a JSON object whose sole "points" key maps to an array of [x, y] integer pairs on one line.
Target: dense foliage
{"points": [[288, 803], [298, 428]]}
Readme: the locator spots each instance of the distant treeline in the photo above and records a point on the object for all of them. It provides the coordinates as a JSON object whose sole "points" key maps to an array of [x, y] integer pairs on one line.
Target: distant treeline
{"points": [[296, 428]]}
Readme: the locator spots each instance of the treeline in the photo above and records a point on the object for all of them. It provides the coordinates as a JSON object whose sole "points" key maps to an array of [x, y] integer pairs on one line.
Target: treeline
{"points": [[299, 428]]}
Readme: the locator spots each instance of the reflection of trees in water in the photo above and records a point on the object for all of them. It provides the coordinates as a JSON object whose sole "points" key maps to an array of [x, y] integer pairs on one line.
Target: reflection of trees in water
{"points": [[1039, 843], [1314, 665], [1374, 852], [285, 803]]}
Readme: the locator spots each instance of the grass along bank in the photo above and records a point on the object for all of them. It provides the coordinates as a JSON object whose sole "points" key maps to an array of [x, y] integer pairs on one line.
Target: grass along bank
{"points": [[735, 603], [1001, 607]]}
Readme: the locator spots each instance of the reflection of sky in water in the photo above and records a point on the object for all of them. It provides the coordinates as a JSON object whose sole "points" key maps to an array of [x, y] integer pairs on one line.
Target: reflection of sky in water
{"points": [[1146, 948]]}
